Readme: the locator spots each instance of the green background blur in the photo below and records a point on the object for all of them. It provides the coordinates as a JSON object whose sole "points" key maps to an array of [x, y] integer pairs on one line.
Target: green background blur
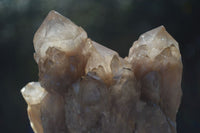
{"points": [[114, 23]]}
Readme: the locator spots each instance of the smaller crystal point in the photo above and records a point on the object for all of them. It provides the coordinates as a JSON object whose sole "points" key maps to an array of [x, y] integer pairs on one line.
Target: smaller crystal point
{"points": [[152, 43], [33, 93], [156, 52], [100, 60]]}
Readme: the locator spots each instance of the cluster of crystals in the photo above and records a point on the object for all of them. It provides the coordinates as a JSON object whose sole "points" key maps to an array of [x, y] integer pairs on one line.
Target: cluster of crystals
{"points": [[85, 87]]}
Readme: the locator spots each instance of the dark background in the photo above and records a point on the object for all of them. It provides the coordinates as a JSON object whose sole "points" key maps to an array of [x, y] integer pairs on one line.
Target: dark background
{"points": [[114, 23]]}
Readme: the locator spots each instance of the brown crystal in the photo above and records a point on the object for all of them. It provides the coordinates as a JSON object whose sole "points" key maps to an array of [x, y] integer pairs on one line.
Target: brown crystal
{"points": [[86, 87]]}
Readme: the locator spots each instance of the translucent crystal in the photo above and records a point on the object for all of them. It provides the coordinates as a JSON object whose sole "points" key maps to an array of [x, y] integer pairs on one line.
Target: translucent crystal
{"points": [[86, 87], [33, 93], [59, 32]]}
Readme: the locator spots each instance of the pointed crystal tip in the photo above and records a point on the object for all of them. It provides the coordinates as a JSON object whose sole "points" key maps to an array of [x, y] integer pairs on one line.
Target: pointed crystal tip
{"points": [[157, 37], [33, 93], [59, 32], [152, 43]]}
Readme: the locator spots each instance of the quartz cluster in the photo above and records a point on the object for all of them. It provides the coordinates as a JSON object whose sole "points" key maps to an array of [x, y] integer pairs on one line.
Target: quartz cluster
{"points": [[85, 87]]}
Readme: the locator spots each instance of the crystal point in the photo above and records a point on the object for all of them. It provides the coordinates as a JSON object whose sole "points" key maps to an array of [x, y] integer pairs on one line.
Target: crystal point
{"points": [[59, 32], [86, 87], [33, 93]]}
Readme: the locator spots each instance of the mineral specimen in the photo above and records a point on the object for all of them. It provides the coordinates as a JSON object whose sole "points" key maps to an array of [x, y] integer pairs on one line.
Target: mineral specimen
{"points": [[85, 87]]}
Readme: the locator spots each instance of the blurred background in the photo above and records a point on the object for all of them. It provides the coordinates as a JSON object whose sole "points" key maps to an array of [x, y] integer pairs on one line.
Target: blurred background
{"points": [[114, 23]]}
